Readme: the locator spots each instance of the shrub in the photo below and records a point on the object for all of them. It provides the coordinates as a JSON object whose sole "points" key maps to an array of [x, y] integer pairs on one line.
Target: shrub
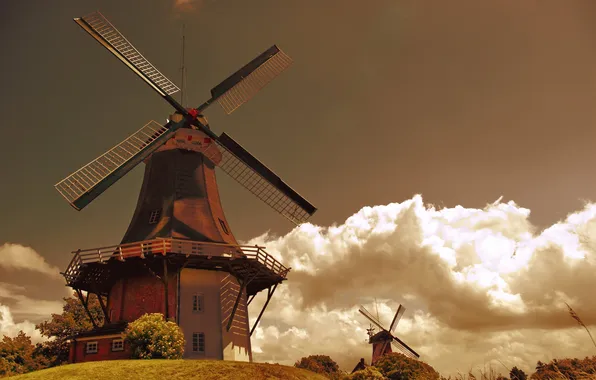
{"points": [[365, 374], [151, 337], [517, 374], [397, 366], [322, 364]]}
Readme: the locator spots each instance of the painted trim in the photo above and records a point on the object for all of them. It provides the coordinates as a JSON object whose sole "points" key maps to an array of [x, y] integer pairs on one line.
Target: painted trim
{"points": [[199, 333], [117, 340], [178, 297], [96, 337], [87, 352]]}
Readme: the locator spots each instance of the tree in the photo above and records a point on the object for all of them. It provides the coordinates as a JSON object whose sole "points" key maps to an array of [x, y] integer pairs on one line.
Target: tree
{"points": [[73, 320], [18, 355], [151, 337], [517, 374], [397, 366], [322, 364]]}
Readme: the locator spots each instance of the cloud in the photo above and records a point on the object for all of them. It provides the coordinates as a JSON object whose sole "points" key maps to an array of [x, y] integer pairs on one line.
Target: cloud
{"points": [[16, 256], [24, 307], [480, 286], [9, 328]]}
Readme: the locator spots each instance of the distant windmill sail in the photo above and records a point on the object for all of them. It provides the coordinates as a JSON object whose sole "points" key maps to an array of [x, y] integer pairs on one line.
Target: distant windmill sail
{"points": [[396, 342], [404, 348], [396, 318]]}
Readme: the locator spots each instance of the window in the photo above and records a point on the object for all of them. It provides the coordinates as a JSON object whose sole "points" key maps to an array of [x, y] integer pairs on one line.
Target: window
{"points": [[118, 345], [198, 342], [197, 303], [91, 348], [223, 226], [154, 216]]}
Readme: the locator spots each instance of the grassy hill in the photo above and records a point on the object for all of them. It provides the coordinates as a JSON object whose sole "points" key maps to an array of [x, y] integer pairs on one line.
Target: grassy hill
{"points": [[170, 370]]}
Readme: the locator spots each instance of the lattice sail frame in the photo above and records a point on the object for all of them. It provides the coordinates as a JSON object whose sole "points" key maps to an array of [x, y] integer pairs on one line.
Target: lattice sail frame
{"points": [[84, 180], [107, 35], [251, 180], [401, 346], [254, 81]]}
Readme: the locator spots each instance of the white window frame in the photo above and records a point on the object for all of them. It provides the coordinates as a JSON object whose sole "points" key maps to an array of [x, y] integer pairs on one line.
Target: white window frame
{"points": [[198, 335], [118, 340], [88, 346], [201, 302]]}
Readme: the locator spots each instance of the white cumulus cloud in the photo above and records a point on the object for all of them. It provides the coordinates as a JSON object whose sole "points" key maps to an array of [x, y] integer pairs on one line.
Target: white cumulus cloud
{"points": [[480, 286], [11, 329]]}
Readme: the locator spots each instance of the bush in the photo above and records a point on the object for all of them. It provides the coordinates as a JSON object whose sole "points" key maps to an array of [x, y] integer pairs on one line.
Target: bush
{"points": [[365, 374], [517, 374], [151, 337], [397, 366], [322, 364]]}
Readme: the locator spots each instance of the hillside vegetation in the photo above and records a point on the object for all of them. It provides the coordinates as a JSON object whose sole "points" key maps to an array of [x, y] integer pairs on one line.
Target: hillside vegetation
{"points": [[171, 370]]}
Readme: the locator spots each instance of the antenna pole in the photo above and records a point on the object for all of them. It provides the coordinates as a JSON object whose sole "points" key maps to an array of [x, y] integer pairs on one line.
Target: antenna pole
{"points": [[377, 307], [183, 69]]}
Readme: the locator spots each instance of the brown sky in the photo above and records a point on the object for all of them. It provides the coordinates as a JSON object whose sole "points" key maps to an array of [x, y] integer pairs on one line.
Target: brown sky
{"points": [[460, 101]]}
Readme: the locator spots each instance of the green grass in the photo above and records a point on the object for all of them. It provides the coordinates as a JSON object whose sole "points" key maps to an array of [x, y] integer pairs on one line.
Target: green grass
{"points": [[170, 370]]}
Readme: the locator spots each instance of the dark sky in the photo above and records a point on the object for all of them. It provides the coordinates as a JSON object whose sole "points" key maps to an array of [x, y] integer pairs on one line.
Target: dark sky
{"points": [[460, 101]]}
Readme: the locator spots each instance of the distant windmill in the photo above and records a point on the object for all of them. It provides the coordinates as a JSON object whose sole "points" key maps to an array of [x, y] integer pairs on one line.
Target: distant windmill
{"points": [[383, 340]]}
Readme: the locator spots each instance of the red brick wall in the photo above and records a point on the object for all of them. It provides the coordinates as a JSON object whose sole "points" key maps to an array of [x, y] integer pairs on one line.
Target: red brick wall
{"points": [[377, 353], [132, 297], [104, 351]]}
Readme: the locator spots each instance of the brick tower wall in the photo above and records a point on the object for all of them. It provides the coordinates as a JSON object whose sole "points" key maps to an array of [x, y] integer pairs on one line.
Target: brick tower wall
{"points": [[132, 297]]}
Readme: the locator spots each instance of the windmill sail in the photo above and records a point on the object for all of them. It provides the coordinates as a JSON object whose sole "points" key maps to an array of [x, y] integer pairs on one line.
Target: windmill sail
{"points": [[400, 311], [241, 86], [248, 171], [368, 315], [108, 36], [396, 342], [87, 183], [404, 348]]}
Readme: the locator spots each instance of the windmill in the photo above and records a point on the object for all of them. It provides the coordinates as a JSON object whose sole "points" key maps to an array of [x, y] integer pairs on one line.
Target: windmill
{"points": [[384, 339], [178, 256]]}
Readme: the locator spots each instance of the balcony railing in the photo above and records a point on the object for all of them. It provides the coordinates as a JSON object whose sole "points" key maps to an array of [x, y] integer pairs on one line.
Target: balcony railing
{"points": [[163, 246]]}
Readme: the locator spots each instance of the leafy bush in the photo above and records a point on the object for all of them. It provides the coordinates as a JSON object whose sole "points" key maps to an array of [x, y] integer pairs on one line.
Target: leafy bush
{"points": [[151, 337], [397, 366], [566, 368], [322, 364], [365, 374], [517, 374]]}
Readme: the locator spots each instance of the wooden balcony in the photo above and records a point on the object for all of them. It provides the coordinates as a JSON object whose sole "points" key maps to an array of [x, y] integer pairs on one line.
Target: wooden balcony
{"points": [[95, 270]]}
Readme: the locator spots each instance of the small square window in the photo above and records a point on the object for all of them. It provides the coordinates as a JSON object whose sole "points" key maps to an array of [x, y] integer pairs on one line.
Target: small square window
{"points": [[198, 342], [91, 348], [223, 226], [118, 345], [197, 303], [154, 216]]}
